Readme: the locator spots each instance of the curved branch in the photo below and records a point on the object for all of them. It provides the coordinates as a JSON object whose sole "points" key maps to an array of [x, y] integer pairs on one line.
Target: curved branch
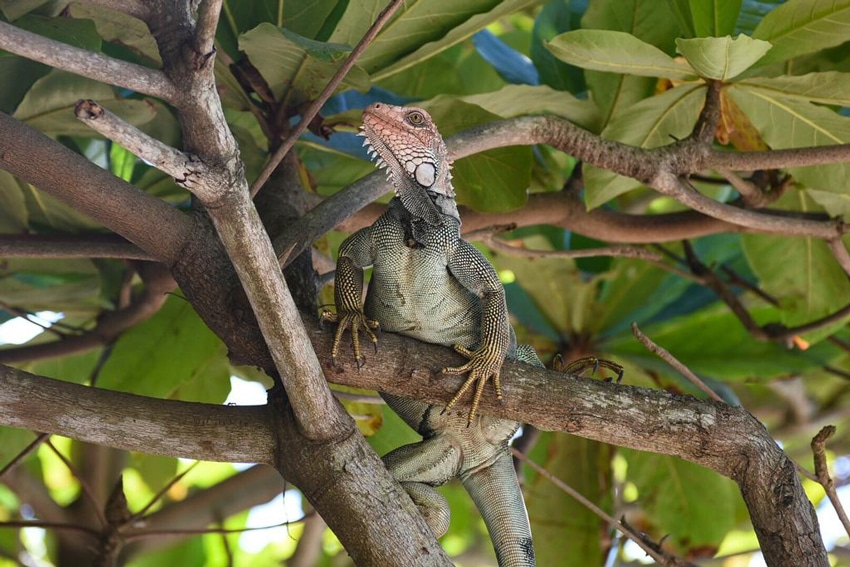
{"points": [[136, 423], [151, 224], [158, 283], [86, 63]]}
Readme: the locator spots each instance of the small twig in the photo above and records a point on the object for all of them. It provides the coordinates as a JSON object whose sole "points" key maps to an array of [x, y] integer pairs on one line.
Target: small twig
{"points": [[24, 452], [822, 473], [141, 534], [675, 363], [753, 197], [317, 104], [70, 246], [613, 251], [87, 491], [48, 526], [160, 493], [658, 555], [836, 246]]}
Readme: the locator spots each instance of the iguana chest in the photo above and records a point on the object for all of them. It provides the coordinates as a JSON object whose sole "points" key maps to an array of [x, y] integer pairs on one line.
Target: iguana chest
{"points": [[412, 291]]}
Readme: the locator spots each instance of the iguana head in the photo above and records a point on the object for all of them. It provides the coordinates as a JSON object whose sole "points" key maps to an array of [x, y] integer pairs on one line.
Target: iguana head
{"points": [[405, 142]]}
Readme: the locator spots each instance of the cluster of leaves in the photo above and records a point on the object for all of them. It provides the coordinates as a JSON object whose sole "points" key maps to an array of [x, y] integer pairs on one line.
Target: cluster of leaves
{"points": [[622, 68]]}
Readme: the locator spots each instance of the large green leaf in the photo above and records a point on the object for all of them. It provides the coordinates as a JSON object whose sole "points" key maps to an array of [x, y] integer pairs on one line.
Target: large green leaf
{"points": [[155, 357], [614, 92], [801, 272], [425, 29], [713, 343], [14, 216], [828, 87], [616, 52], [690, 505], [49, 104], [722, 58], [788, 123], [35, 284], [798, 27], [555, 18], [115, 26], [295, 65], [491, 181], [651, 123], [521, 100], [566, 533], [705, 18]]}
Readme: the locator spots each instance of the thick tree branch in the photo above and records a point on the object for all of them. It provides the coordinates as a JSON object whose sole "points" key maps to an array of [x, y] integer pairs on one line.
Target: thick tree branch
{"points": [[724, 438], [86, 63], [135, 423], [149, 223]]}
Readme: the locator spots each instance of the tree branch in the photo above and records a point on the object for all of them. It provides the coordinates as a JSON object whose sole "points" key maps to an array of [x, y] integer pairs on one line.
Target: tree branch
{"points": [[151, 224], [70, 246], [86, 63], [136, 423]]}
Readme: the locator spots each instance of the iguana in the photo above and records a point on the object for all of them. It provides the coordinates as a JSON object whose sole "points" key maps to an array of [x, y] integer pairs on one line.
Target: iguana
{"points": [[430, 284]]}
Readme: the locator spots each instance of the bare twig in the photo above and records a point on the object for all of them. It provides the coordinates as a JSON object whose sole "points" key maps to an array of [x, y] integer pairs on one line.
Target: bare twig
{"points": [[86, 63], [499, 245], [160, 493], [653, 551], [822, 472], [317, 104], [40, 438], [87, 491], [12, 524], [839, 250], [675, 363]]}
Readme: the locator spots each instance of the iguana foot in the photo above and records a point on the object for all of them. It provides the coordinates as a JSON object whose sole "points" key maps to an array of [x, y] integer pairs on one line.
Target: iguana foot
{"points": [[592, 363], [483, 364], [356, 321]]}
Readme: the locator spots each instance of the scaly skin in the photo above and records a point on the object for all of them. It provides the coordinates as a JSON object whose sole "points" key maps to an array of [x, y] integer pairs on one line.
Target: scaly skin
{"points": [[430, 284]]}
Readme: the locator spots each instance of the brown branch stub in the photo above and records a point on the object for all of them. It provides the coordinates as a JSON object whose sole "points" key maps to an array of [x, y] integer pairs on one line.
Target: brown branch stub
{"points": [[822, 473], [674, 362]]}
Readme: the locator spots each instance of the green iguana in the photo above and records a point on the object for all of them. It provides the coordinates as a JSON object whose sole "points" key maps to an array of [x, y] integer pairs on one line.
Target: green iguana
{"points": [[430, 284]]}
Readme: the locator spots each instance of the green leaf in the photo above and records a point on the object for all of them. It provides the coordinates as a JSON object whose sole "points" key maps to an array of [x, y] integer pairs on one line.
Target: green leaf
{"points": [[616, 52], [828, 87], [651, 123], [120, 28], [555, 18], [13, 206], [155, 357], [681, 9], [121, 162], [425, 29], [49, 285], [49, 104], [536, 100], [555, 516], [695, 506], [614, 92], [801, 272], [75, 368], [722, 58], [798, 27], [713, 343], [714, 17], [298, 66], [77, 32], [836, 204], [491, 181], [788, 123]]}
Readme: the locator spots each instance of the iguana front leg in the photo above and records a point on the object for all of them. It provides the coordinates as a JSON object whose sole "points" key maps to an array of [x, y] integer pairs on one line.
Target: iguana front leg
{"points": [[475, 273], [354, 254]]}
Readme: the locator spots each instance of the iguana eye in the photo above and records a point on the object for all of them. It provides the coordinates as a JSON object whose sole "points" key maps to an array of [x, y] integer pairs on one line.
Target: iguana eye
{"points": [[415, 118]]}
